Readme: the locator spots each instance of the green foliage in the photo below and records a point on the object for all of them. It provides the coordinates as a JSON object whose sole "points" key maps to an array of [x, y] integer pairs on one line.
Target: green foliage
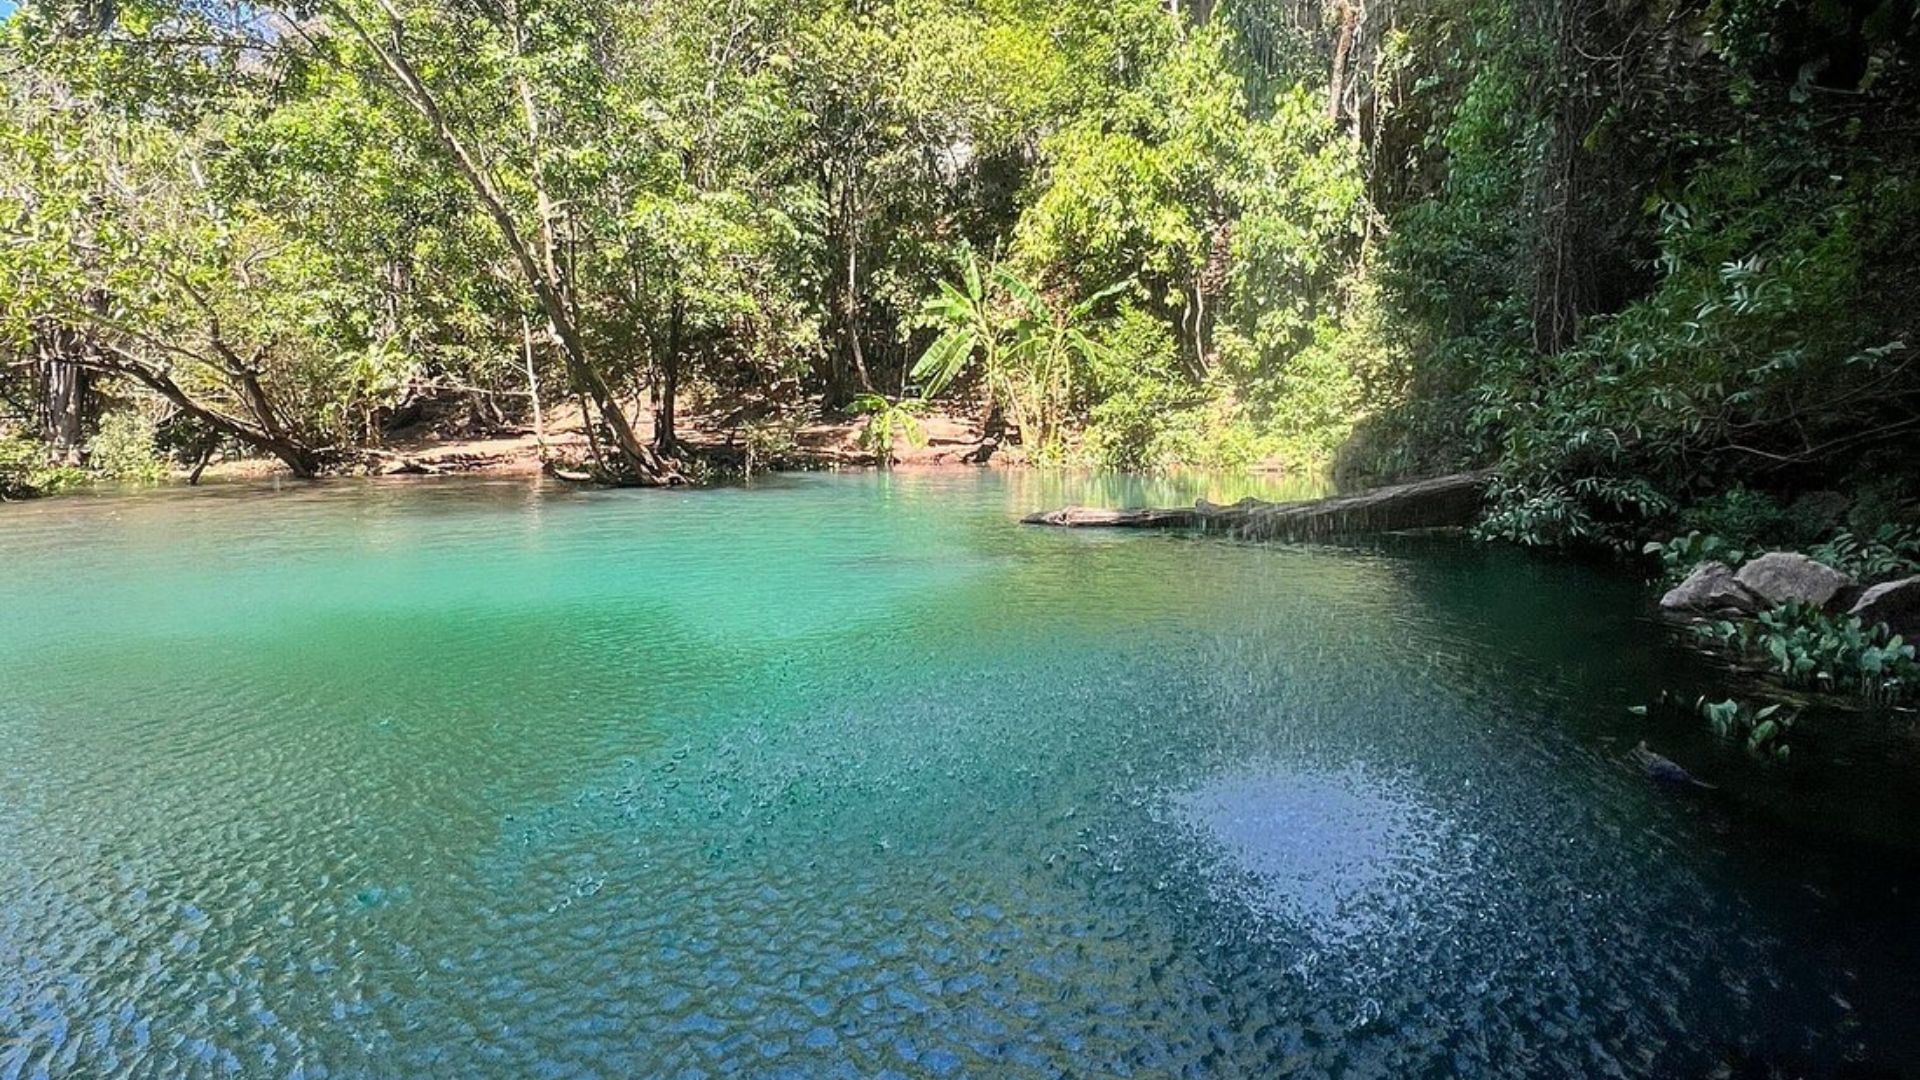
{"points": [[890, 422], [1760, 342], [1032, 351], [1763, 730], [124, 449], [1240, 221], [1892, 551], [769, 443], [969, 321], [1804, 646], [1652, 263], [25, 472], [1551, 510], [1742, 516], [1681, 554], [1138, 392]]}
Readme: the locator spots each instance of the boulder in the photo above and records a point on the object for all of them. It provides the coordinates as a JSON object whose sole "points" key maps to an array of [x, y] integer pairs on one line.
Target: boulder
{"points": [[1896, 603], [1711, 587], [1787, 577]]}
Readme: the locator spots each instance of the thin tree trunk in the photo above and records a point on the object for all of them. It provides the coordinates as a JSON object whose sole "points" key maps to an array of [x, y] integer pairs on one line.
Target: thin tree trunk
{"points": [[665, 439], [1342, 49], [533, 387], [854, 353], [207, 447], [586, 421]]}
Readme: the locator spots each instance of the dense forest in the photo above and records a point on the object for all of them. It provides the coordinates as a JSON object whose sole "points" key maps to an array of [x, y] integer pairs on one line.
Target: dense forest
{"points": [[1654, 260]]}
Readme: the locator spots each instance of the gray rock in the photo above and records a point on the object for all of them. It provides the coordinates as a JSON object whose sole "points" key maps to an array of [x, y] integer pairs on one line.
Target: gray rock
{"points": [[1896, 603], [1787, 577], [1711, 587]]}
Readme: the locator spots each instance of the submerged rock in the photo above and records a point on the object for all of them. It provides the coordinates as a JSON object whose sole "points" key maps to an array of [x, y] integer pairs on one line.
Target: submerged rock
{"points": [[1665, 770], [1787, 577], [1896, 603], [1711, 587]]}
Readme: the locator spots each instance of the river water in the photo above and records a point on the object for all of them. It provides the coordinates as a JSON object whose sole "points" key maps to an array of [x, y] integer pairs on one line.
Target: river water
{"points": [[854, 776]]}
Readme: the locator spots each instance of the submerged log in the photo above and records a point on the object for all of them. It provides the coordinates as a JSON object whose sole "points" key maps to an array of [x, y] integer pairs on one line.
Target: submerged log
{"points": [[1439, 503], [1088, 517]]}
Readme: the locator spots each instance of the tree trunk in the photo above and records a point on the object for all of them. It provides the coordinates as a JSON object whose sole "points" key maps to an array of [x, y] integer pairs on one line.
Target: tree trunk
{"points": [[302, 460], [854, 355], [665, 439], [1342, 49], [846, 368], [533, 388], [65, 393]]}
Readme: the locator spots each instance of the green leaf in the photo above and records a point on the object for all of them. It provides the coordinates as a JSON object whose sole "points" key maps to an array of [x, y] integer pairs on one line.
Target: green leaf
{"points": [[1030, 298], [944, 360]]}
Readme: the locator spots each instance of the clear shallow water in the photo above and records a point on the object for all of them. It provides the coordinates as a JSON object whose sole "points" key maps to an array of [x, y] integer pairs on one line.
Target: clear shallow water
{"points": [[852, 776]]}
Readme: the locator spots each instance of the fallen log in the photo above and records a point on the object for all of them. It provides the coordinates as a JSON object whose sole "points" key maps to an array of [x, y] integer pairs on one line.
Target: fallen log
{"points": [[1439, 503]]}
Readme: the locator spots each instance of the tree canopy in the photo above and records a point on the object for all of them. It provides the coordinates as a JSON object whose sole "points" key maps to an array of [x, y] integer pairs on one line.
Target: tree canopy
{"points": [[1627, 253]]}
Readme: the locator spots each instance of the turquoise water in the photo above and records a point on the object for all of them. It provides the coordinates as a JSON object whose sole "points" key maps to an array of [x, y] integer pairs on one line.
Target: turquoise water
{"points": [[853, 776]]}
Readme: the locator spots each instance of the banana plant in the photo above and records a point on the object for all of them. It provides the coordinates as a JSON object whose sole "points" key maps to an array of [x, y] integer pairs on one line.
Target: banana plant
{"points": [[889, 422], [1028, 346], [969, 323]]}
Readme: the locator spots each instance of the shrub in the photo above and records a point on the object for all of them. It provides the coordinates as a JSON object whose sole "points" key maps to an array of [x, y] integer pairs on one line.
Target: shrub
{"points": [[1764, 730], [1681, 554], [889, 422], [1741, 516], [1804, 646], [1892, 551], [25, 473], [124, 449]]}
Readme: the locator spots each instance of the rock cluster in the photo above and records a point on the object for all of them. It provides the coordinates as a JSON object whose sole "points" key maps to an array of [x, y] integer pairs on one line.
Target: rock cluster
{"points": [[1785, 577]]}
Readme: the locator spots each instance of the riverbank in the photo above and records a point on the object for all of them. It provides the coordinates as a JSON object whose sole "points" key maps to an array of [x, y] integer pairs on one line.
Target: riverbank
{"points": [[808, 441]]}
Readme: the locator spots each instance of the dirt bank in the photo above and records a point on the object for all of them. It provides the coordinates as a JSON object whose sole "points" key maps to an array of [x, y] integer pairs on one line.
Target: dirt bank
{"points": [[809, 441]]}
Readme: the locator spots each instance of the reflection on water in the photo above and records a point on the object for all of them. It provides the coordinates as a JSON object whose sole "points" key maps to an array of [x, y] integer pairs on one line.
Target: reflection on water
{"points": [[1055, 488], [853, 776], [1342, 855]]}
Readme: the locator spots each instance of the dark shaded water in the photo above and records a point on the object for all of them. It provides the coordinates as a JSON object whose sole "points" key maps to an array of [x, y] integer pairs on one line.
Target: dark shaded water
{"points": [[852, 776]]}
